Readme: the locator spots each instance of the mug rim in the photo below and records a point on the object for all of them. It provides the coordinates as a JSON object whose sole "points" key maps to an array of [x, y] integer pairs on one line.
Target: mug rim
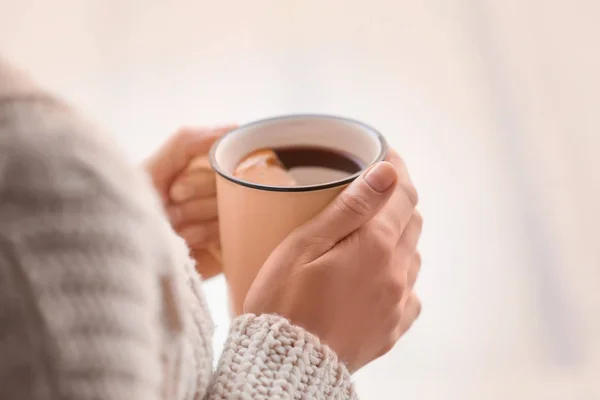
{"points": [[305, 188]]}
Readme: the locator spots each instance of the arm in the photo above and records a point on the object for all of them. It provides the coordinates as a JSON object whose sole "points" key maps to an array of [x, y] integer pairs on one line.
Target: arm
{"points": [[80, 276]]}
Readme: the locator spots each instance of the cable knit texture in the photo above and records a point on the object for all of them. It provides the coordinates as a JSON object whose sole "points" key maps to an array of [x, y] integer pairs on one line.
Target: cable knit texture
{"points": [[98, 297]]}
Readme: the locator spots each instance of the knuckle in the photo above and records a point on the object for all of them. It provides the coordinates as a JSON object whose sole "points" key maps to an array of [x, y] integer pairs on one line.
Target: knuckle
{"points": [[418, 220], [418, 308], [378, 242], [383, 260], [410, 191], [355, 202], [400, 287], [381, 250], [390, 342], [396, 289], [310, 245], [413, 272], [418, 261], [300, 239]]}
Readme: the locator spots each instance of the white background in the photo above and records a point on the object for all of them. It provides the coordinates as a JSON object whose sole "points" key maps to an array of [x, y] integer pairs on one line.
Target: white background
{"points": [[493, 105]]}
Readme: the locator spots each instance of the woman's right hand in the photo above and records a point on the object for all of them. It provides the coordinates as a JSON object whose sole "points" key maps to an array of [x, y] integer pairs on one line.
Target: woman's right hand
{"points": [[347, 275]]}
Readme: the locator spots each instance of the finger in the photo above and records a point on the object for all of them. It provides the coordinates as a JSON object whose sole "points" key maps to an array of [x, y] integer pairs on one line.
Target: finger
{"points": [[355, 206], [202, 235], [398, 211], [407, 265], [403, 175], [206, 265], [412, 310], [412, 233], [175, 155], [406, 256], [193, 212], [202, 163], [413, 270], [197, 183]]}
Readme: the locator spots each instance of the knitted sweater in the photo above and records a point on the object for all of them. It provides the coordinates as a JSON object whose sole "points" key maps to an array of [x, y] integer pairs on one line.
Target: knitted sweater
{"points": [[98, 297]]}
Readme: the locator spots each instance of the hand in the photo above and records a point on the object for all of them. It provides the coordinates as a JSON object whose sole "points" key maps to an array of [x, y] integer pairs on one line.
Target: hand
{"points": [[347, 275], [181, 174]]}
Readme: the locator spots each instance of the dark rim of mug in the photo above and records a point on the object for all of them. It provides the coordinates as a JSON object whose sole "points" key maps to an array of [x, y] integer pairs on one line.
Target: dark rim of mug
{"points": [[306, 188]]}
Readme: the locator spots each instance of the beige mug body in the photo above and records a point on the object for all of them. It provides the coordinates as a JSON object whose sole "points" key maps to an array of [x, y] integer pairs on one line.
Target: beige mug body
{"points": [[254, 218]]}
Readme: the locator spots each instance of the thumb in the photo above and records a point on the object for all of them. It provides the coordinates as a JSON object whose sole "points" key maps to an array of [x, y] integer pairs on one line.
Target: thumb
{"points": [[356, 205], [174, 156]]}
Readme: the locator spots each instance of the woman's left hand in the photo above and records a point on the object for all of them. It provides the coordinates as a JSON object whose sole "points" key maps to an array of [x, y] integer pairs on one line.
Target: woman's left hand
{"points": [[186, 184]]}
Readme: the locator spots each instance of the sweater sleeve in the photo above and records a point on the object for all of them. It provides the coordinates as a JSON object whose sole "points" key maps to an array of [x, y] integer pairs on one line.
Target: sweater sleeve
{"points": [[266, 357], [80, 285]]}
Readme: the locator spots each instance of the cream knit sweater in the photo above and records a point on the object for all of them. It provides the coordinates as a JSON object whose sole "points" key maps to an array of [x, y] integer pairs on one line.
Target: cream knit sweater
{"points": [[98, 297]]}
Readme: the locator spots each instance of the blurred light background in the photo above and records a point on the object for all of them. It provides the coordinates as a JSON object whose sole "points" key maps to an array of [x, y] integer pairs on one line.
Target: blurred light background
{"points": [[492, 103]]}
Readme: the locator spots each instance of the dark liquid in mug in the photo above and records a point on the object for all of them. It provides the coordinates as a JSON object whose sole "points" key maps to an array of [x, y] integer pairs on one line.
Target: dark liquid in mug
{"points": [[297, 166], [318, 157]]}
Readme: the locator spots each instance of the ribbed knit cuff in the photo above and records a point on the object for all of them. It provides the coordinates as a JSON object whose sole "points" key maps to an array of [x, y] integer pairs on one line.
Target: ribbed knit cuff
{"points": [[268, 357]]}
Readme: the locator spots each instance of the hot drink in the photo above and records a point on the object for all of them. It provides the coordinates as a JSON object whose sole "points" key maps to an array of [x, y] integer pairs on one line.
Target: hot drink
{"points": [[275, 175], [297, 166]]}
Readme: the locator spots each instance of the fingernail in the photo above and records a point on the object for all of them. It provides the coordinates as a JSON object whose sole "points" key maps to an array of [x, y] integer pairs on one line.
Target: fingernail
{"points": [[182, 193], [381, 176]]}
